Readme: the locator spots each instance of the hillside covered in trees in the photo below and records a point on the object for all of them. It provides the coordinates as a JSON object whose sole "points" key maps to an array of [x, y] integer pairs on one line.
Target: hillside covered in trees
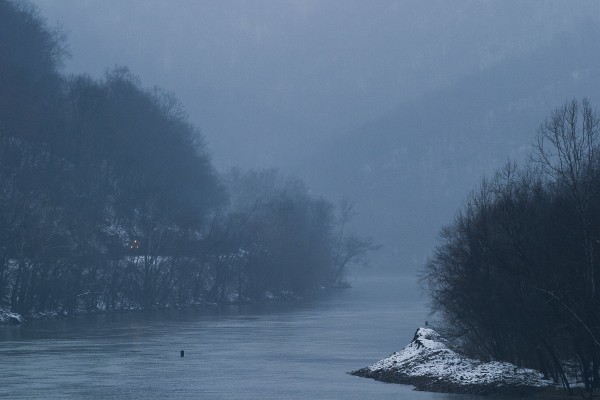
{"points": [[516, 275], [109, 200]]}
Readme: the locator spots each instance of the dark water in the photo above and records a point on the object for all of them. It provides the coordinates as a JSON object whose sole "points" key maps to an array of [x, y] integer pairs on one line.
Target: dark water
{"points": [[292, 351]]}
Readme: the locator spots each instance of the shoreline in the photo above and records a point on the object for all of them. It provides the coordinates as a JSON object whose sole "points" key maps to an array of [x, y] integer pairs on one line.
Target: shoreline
{"points": [[8, 318], [428, 364]]}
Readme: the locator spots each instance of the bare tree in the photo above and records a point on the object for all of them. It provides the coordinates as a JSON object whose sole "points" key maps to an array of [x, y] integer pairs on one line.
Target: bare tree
{"points": [[567, 149], [349, 249]]}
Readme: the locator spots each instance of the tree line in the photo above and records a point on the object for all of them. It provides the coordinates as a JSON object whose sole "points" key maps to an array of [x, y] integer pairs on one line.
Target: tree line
{"points": [[516, 275], [109, 200]]}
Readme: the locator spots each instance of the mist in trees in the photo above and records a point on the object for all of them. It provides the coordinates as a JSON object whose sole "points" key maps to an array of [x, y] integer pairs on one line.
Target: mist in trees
{"points": [[515, 275], [109, 200], [402, 107]]}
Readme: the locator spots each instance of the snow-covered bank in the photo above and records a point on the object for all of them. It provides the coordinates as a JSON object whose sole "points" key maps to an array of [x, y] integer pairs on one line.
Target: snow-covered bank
{"points": [[428, 364], [10, 318]]}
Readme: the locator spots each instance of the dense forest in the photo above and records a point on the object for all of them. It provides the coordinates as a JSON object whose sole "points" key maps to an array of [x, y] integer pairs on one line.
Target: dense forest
{"points": [[516, 275], [109, 200]]}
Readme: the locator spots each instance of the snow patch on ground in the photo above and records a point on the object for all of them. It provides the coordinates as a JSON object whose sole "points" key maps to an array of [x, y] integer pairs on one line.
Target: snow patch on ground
{"points": [[10, 318], [429, 364]]}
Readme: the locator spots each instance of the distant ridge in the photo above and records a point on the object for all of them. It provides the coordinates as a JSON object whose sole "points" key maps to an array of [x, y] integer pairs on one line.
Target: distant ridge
{"points": [[409, 171]]}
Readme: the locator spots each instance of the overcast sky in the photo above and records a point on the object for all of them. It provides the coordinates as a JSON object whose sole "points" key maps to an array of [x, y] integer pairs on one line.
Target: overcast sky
{"points": [[322, 89], [266, 81]]}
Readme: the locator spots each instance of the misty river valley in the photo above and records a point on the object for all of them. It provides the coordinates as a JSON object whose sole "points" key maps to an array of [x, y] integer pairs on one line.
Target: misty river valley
{"points": [[299, 199], [275, 351]]}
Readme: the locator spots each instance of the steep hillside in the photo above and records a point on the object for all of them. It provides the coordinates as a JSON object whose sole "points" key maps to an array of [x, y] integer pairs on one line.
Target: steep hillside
{"points": [[408, 172]]}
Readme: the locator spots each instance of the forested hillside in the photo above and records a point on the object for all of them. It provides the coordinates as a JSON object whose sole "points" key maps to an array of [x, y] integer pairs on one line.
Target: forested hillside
{"points": [[410, 169], [109, 200], [516, 275]]}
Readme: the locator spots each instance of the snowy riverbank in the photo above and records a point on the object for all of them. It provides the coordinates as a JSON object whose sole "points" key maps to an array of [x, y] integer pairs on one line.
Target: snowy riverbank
{"points": [[10, 318], [429, 365]]}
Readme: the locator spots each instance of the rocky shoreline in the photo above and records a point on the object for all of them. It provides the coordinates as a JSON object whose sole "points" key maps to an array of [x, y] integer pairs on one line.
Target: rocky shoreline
{"points": [[428, 364]]}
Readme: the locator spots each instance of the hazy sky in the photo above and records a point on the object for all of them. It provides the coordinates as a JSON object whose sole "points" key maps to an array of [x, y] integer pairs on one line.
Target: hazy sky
{"points": [[266, 81], [322, 88]]}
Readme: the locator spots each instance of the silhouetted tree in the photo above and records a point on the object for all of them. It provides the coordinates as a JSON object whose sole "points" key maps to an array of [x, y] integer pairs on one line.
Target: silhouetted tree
{"points": [[514, 276], [349, 248], [109, 200]]}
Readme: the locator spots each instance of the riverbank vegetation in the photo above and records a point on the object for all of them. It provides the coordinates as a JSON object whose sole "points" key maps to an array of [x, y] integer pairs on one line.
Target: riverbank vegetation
{"points": [[516, 275], [109, 200]]}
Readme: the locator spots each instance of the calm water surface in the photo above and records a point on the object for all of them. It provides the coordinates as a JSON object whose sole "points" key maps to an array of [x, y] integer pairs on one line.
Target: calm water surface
{"points": [[292, 351]]}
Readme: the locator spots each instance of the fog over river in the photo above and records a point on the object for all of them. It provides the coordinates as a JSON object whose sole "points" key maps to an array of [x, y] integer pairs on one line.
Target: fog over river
{"points": [[291, 351], [283, 142]]}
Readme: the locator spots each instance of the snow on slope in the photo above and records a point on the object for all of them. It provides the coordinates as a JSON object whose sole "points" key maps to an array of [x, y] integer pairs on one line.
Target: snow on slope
{"points": [[428, 364], [10, 318]]}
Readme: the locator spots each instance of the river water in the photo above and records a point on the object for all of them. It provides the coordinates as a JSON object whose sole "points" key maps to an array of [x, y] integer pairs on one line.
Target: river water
{"points": [[283, 351]]}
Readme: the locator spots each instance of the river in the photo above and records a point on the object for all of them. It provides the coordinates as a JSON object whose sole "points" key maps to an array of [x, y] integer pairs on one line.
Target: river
{"points": [[275, 351]]}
